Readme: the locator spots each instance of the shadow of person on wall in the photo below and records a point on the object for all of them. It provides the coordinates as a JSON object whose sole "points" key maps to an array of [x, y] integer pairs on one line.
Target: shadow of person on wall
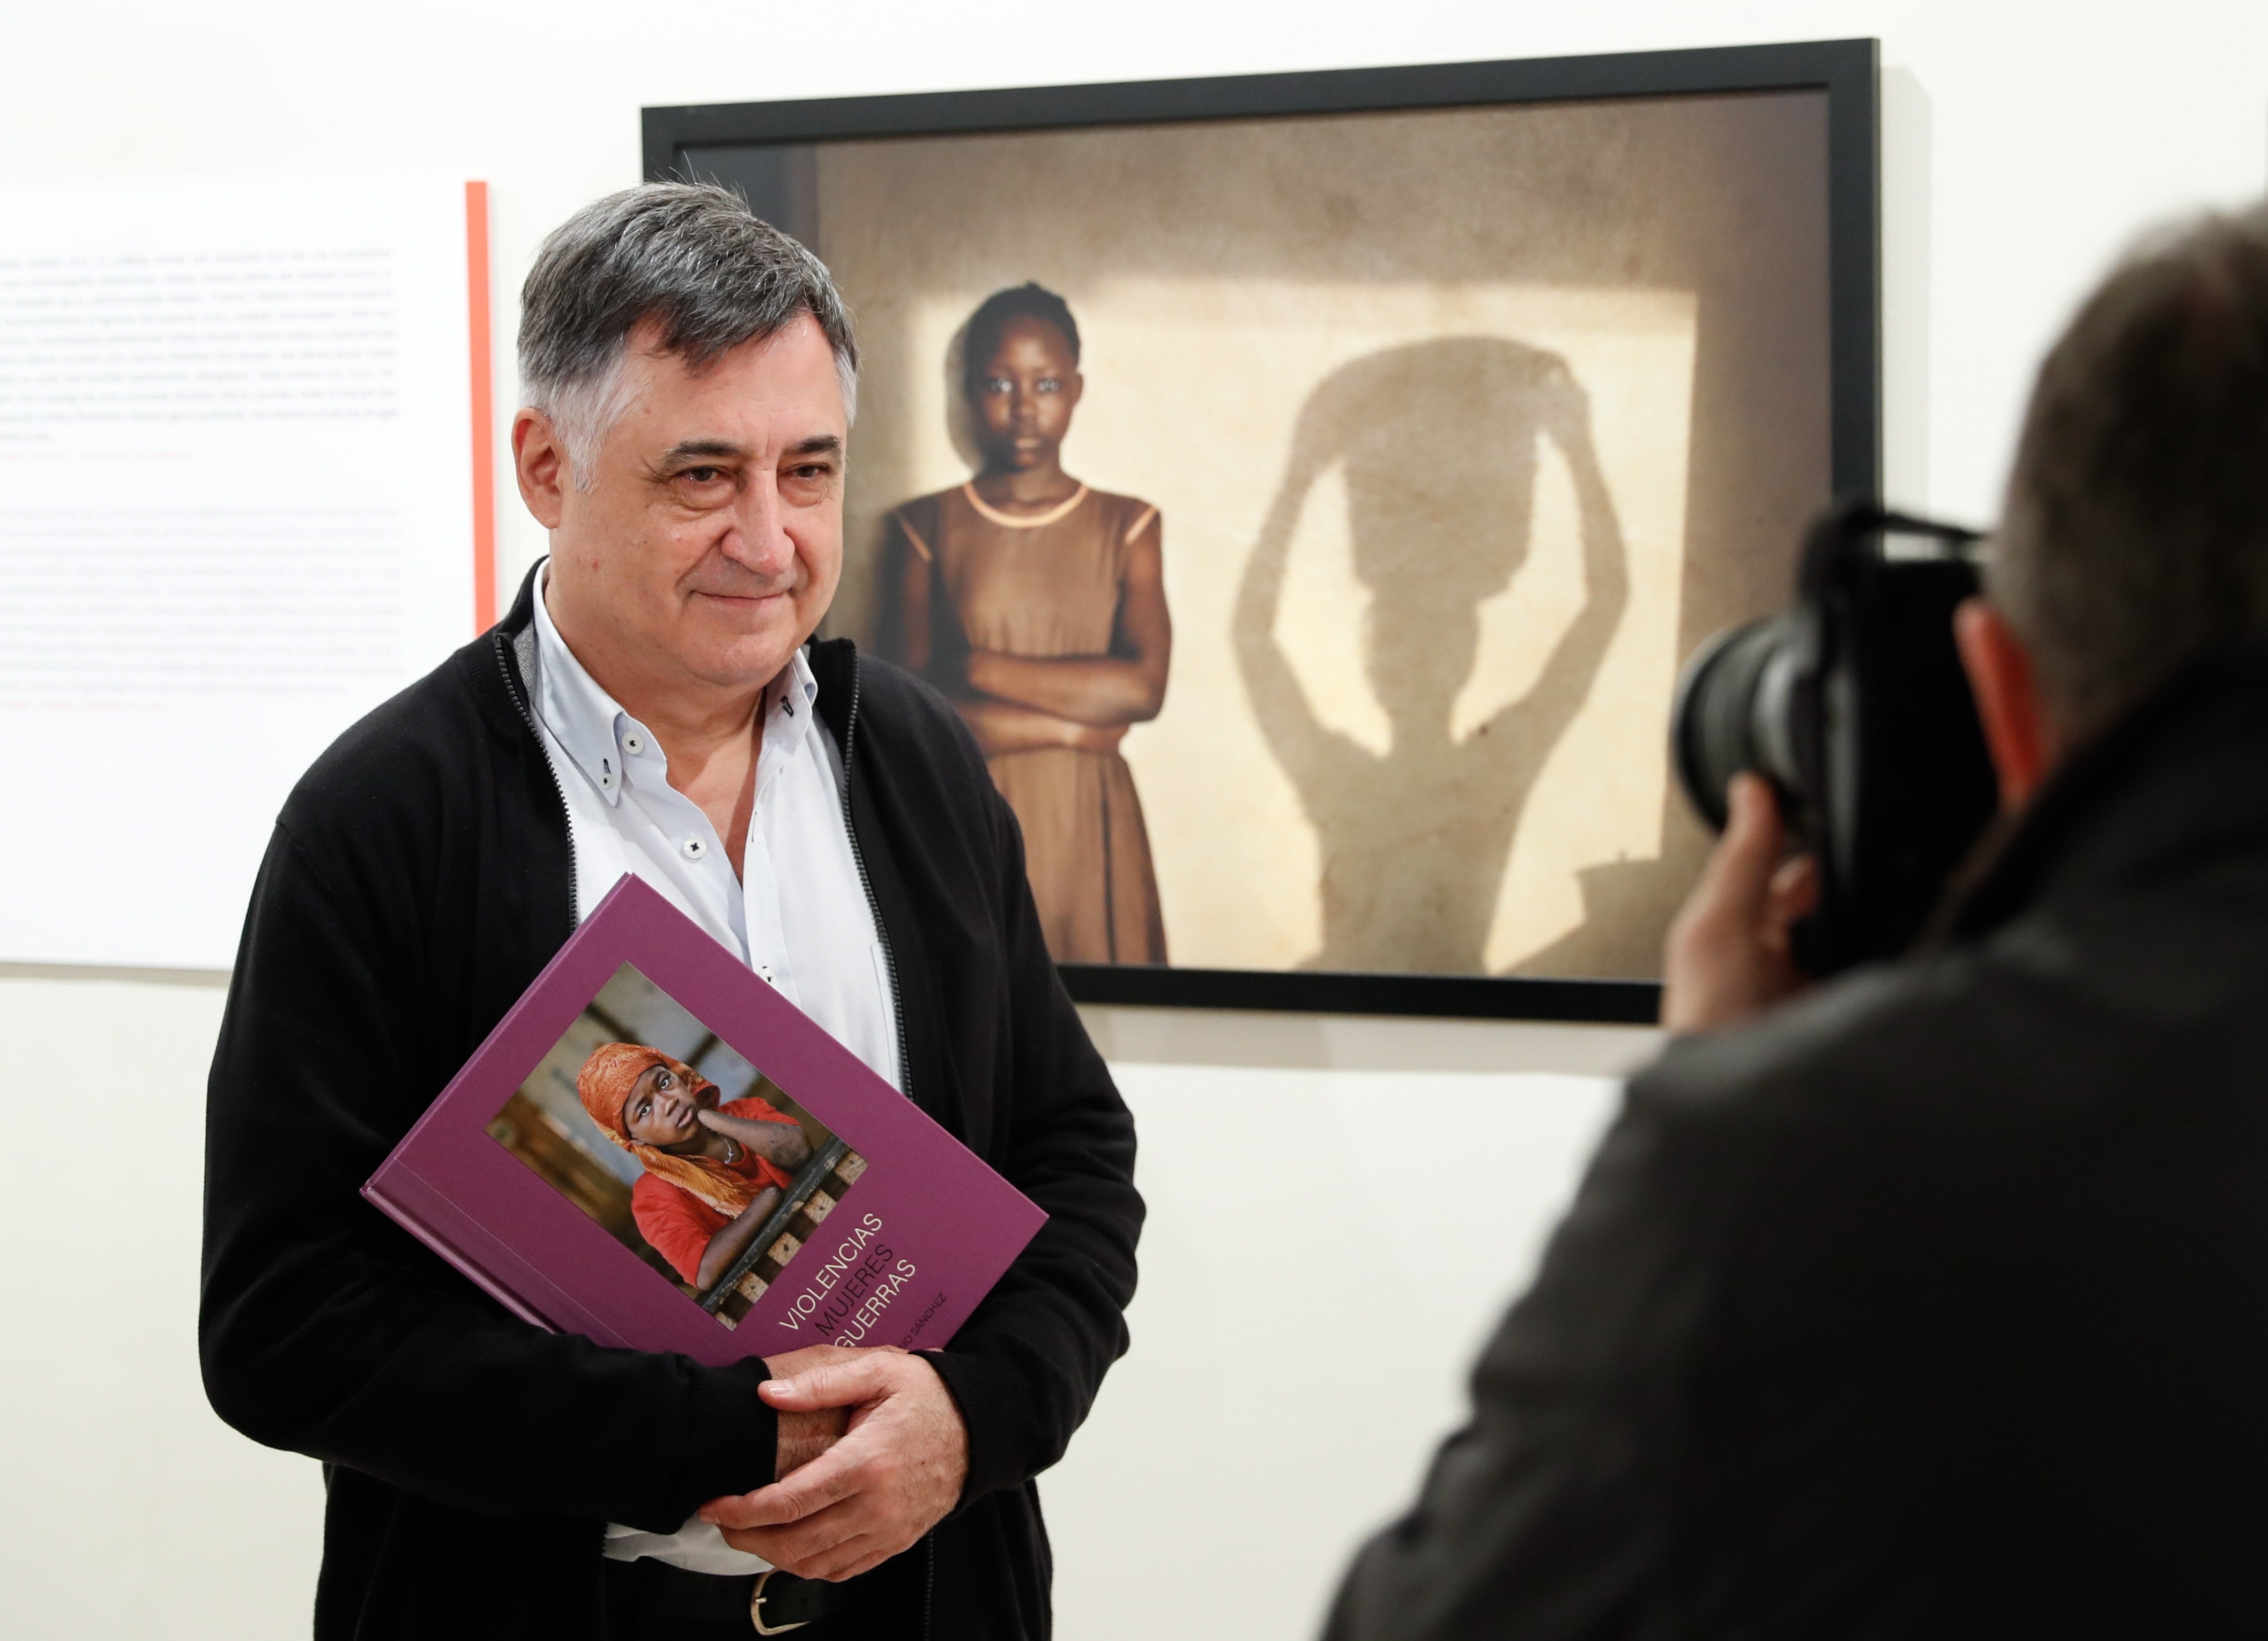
{"points": [[1438, 441]]}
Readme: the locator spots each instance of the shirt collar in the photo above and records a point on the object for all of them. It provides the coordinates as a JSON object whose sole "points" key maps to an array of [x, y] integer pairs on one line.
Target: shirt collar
{"points": [[595, 730], [588, 722], [791, 704]]}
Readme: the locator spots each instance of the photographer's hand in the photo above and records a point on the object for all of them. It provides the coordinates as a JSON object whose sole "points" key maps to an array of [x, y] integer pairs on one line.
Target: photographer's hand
{"points": [[1727, 958]]}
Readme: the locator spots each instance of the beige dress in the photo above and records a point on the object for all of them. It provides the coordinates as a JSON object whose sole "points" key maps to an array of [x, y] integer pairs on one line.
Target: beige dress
{"points": [[1050, 585]]}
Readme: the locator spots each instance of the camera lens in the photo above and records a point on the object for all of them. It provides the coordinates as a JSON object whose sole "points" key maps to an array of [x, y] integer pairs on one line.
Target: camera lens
{"points": [[1733, 712]]}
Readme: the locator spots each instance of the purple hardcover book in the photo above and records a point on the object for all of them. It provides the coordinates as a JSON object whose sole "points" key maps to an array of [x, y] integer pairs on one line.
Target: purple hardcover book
{"points": [[850, 1217]]}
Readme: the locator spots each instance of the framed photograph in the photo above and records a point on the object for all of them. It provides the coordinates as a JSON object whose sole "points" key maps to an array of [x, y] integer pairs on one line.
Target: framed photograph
{"points": [[1308, 486]]}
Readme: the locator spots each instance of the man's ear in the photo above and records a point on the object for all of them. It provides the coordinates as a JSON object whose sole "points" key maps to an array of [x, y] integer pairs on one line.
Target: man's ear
{"points": [[539, 461], [2019, 732]]}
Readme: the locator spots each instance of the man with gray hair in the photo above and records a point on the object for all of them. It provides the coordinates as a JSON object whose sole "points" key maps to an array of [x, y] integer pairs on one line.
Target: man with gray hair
{"points": [[656, 704], [1935, 1303]]}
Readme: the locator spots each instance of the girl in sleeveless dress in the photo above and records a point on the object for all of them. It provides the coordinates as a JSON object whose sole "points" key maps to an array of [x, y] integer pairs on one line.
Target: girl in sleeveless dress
{"points": [[1038, 605]]}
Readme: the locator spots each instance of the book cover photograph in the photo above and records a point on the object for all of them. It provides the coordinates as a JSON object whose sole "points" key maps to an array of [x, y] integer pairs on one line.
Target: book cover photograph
{"points": [[691, 1157], [656, 1149]]}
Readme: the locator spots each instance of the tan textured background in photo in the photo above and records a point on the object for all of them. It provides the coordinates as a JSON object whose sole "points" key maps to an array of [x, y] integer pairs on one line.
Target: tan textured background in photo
{"points": [[1517, 405]]}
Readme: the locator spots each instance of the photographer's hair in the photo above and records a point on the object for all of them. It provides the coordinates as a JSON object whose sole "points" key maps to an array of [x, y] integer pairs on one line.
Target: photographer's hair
{"points": [[692, 259], [2134, 540], [981, 340]]}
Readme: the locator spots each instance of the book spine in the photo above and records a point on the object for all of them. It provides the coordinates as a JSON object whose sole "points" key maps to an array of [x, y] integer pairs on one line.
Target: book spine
{"points": [[406, 1218]]}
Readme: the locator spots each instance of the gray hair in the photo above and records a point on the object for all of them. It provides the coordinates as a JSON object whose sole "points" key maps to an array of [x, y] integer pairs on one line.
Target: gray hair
{"points": [[689, 257], [2134, 540]]}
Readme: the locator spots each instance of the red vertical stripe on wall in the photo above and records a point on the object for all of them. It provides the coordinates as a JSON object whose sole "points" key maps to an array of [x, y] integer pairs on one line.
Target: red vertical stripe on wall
{"points": [[476, 280]]}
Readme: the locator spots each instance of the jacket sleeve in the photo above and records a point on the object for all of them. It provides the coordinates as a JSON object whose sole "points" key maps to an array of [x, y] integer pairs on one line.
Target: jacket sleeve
{"points": [[1026, 1367], [1546, 1516], [327, 1328]]}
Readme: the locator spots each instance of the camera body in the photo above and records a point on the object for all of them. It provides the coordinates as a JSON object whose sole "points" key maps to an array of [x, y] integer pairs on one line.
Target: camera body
{"points": [[1854, 706]]}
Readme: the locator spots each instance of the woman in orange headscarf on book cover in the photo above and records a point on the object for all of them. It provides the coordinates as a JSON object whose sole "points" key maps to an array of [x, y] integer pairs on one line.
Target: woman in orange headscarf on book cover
{"points": [[714, 1171], [1038, 605]]}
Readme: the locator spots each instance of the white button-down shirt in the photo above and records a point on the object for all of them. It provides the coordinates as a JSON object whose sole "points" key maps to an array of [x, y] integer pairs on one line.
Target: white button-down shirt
{"points": [[798, 914]]}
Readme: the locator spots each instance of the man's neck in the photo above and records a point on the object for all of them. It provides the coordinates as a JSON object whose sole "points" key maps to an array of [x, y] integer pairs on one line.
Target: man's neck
{"points": [[710, 736], [693, 725], [683, 712]]}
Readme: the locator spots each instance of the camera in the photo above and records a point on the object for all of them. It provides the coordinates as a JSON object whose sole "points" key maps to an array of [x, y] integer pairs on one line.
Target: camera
{"points": [[1854, 706]]}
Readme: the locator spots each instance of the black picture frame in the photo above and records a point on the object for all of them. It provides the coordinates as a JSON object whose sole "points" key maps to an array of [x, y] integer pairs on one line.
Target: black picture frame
{"points": [[1847, 71]]}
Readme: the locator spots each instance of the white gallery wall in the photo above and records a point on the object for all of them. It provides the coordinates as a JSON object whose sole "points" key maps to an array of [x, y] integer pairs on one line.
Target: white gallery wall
{"points": [[1287, 1377]]}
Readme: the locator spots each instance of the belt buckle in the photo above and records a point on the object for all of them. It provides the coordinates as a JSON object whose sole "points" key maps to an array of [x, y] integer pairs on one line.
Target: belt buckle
{"points": [[756, 1608]]}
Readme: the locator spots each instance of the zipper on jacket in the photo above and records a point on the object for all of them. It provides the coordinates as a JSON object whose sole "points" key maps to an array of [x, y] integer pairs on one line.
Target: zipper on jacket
{"points": [[505, 664], [929, 1579], [874, 906]]}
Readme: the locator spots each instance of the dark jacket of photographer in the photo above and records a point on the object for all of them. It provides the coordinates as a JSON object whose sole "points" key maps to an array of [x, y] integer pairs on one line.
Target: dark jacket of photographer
{"points": [[1937, 1303], [420, 877]]}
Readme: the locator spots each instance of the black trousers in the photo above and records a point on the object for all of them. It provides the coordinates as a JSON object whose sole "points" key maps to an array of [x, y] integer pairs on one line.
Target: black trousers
{"points": [[649, 1600]]}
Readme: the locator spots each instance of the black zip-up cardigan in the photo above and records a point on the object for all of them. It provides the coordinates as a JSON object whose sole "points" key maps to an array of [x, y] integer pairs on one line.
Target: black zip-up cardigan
{"points": [[420, 876]]}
